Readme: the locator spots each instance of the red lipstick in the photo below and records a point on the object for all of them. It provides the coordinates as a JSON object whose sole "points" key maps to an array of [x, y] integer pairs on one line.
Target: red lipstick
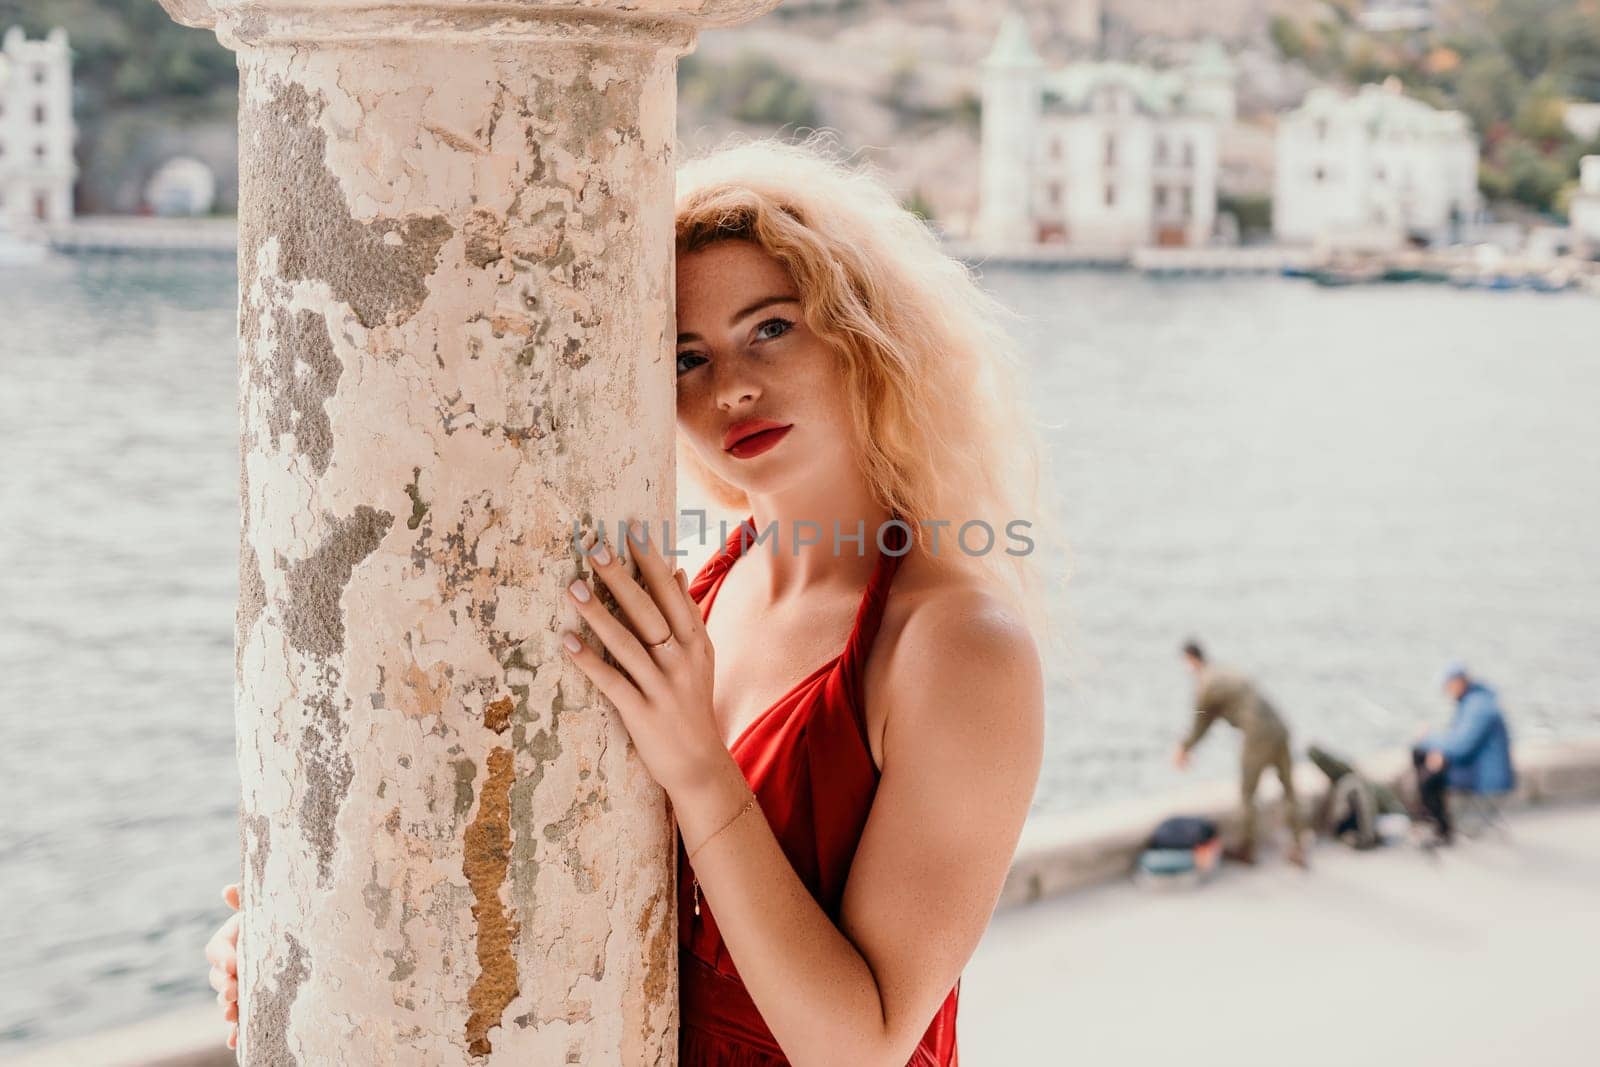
{"points": [[751, 437]]}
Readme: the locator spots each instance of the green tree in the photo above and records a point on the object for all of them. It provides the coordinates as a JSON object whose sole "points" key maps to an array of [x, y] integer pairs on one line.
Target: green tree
{"points": [[1287, 36], [1493, 181], [1523, 29], [1540, 112], [751, 89], [1488, 89], [1534, 178]]}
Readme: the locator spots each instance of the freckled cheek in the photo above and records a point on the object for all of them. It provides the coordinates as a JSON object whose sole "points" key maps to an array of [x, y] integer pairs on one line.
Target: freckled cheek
{"points": [[820, 400], [691, 398], [693, 422]]}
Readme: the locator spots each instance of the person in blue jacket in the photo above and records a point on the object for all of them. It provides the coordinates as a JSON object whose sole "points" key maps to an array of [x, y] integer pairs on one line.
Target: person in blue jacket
{"points": [[1473, 754]]}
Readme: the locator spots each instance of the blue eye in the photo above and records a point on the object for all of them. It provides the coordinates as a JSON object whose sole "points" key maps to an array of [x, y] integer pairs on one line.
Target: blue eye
{"points": [[688, 355], [785, 324]]}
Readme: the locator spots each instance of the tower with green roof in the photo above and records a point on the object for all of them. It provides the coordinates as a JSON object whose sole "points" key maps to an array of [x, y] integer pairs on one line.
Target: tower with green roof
{"points": [[1011, 80]]}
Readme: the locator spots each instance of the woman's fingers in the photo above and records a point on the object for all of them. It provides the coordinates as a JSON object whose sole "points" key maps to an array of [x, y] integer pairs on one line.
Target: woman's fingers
{"points": [[615, 685], [222, 949], [641, 610], [226, 985], [671, 596], [217, 948], [620, 641], [695, 627]]}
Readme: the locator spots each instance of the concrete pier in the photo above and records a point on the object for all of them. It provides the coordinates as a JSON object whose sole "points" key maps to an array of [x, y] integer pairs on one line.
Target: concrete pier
{"points": [[1360, 960], [118, 235], [1479, 955]]}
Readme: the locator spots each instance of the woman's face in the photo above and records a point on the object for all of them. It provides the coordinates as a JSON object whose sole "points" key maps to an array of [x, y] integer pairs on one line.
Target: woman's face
{"points": [[747, 361]]}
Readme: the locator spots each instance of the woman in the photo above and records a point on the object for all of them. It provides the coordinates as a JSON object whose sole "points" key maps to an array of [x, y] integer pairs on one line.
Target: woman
{"points": [[851, 769]]}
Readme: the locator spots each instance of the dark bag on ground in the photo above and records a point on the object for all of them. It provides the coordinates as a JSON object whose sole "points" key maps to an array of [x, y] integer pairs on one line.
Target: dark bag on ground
{"points": [[1183, 831]]}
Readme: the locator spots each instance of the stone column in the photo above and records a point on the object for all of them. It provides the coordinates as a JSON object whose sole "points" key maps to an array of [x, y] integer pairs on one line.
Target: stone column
{"points": [[455, 340]]}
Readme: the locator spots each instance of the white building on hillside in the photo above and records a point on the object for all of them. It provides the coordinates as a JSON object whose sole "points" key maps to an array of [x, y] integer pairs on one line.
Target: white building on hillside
{"points": [[1384, 16], [1584, 211], [1581, 119], [1373, 168], [1102, 156], [36, 129]]}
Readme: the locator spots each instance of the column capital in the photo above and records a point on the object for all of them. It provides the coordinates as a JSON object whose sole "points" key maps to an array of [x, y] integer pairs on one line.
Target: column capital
{"points": [[647, 23]]}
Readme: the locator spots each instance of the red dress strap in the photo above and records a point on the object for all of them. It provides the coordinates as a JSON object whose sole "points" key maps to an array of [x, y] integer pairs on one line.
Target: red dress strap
{"points": [[808, 762], [893, 547], [703, 586]]}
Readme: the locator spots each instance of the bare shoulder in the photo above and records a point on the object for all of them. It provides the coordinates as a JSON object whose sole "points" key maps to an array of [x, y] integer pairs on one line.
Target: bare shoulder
{"points": [[954, 654]]}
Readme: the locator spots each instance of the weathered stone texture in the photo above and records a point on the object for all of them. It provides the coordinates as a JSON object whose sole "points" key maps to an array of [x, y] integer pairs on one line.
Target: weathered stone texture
{"points": [[454, 340]]}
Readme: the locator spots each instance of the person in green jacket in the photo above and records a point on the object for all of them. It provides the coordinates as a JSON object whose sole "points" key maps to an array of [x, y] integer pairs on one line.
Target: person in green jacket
{"points": [[1350, 808], [1228, 695]]}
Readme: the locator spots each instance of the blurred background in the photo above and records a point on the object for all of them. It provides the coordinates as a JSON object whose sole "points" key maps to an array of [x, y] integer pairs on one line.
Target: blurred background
{"points": [[1310, 287]]}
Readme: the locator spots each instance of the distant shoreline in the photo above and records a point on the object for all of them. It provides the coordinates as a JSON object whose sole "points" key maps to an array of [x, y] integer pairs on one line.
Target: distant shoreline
{"points": [[1464, 267], [211, 235]]}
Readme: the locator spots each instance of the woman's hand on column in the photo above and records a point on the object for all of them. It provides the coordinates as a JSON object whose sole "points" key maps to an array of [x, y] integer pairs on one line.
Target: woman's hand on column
{"points": [[660, 674], [222, 951]]}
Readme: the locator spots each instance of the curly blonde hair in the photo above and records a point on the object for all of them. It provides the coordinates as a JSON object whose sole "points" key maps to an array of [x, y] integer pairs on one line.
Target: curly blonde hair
{"points": [[930, 366]]}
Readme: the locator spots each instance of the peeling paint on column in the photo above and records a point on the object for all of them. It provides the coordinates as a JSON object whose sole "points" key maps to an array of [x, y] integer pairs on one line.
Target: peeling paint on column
{"points": [[269, 1015], [544, 749], [488, 850], [257, 841], [313, 618], [378, 268], [252, 591], [455, 336], [497, 716], [418, 507], [483, 239], [328, 773], [301, 396], [661, 947], [466, 771], [378, 899]]}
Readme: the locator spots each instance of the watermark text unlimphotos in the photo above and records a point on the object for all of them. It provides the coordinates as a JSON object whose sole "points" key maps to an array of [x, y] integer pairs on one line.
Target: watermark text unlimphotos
{"points": [[973, 537]]}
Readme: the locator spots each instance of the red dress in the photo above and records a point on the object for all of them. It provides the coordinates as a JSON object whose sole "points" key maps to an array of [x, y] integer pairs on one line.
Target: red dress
{"points": [[808, 761]]}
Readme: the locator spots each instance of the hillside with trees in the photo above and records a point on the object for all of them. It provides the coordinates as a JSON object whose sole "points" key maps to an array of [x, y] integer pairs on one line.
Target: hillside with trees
{"points": [[898, 79], [1511, 65]]}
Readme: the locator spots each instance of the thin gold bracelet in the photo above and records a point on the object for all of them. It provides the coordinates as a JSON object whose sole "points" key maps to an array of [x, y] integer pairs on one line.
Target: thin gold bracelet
{"points": [[748, 804]]}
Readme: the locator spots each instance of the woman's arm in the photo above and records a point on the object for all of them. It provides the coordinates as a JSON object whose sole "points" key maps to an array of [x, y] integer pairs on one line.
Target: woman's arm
{"points": [[962, 750]]}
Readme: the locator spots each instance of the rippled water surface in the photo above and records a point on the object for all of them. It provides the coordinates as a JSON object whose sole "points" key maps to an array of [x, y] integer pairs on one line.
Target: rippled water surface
{"points": [[1336, 489]]}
